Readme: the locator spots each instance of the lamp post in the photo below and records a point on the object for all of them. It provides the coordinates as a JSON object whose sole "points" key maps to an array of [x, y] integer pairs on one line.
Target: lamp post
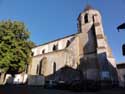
{"points": [[122, 26]]}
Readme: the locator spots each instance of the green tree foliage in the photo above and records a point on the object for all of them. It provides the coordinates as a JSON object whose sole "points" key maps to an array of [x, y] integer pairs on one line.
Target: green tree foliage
{"points": [[15, 46]]}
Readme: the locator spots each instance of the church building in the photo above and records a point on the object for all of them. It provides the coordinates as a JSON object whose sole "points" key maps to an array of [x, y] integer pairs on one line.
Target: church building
{"points": [[84, 55]]}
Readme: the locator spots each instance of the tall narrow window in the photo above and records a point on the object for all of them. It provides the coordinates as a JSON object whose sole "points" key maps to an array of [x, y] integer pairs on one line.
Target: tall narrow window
{"points": [[86, 18], [55, 47], [54, 67], [42, 66], [93, 18], [68, 43], [37, 69], [32, 54], [26, 69], [43, 51]]}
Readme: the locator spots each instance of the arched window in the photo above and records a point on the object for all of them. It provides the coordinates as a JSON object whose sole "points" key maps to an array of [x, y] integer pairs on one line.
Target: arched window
{"points": [[37, 69], [54, 67], [86, 18], [55, 47], [32, 54], [26, 69], [42, 66], [68, 43], [43, 51], [93, 18]]}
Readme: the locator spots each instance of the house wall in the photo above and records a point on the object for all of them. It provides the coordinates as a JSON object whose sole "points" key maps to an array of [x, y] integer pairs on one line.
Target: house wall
{"points": [[121, 73]]}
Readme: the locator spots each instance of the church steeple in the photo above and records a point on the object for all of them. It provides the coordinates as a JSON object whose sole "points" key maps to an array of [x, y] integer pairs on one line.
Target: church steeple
{"points": [[87, 18], [88, 7]]}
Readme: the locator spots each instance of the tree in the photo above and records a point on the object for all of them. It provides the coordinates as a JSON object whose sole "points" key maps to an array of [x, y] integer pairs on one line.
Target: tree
{"points": [[15, 46]]}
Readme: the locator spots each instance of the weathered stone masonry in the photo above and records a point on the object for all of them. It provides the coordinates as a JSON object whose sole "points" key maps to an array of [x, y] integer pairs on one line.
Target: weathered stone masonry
{"points": [[86, 53]]}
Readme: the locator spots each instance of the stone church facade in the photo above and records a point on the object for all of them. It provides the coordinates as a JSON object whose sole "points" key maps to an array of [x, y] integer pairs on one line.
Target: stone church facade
{"points": [[84, 55]]}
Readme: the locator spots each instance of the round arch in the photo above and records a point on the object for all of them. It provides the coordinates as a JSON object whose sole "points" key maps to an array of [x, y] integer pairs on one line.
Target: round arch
{"points": [[43, 64], [54, 67]]}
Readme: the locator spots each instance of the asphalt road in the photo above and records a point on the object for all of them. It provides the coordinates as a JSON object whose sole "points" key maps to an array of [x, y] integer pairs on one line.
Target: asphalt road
{"points": [[41, 90]]}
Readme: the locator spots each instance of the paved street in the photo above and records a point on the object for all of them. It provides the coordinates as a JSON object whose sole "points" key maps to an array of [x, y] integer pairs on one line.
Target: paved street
{"points": [[41, 90]]}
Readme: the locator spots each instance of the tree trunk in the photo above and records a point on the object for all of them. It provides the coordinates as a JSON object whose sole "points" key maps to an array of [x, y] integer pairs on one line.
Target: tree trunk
{"points": [[2, 78]]}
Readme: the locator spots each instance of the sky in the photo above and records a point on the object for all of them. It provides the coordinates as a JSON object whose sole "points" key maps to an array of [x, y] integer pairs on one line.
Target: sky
{"points": [[52, 19]]}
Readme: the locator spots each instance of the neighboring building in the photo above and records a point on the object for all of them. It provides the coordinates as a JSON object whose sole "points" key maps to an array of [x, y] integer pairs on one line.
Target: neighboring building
{"points": [[121, 74], [85, 55]]}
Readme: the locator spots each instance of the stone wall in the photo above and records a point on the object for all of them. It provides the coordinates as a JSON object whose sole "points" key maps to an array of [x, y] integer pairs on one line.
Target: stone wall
{"points": [[36, 80], [61, 58], [121, 74], [17, 79], [51, 58], [48, 47], [87, 51]]}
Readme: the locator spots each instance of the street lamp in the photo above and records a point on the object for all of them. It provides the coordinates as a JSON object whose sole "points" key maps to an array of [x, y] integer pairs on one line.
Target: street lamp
{"points": [[122, 26]]}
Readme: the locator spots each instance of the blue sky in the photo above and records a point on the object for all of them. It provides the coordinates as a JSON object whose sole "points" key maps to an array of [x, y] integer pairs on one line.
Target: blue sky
{"points": [[51, 19]]}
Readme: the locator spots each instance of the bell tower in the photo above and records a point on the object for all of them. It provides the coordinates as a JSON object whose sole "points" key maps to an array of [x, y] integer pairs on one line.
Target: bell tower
{"points": [[87, 18], [96, 50]]}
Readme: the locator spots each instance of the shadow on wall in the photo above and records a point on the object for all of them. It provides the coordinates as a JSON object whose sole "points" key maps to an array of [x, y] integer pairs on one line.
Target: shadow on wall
{"points": [[93, 62], [78, 78], [66, 73], [107, 72], [83, 77], [94, 69]]}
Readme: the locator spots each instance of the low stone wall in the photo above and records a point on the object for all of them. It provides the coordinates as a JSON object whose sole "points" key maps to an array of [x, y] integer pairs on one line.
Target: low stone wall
{"points": [[8, 79], [17, 79], [24, 79], [36, 80]]}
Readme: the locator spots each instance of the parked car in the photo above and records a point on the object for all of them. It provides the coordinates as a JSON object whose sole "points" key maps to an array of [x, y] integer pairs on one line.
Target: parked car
{"points": [[84, 85], [50, 84], [62, 85], [76, 85]]}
